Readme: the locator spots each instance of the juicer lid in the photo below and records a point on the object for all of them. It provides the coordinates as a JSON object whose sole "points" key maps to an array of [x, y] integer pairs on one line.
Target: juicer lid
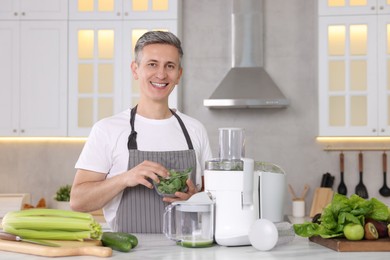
{"points": [[200, 198], [268, 167]]}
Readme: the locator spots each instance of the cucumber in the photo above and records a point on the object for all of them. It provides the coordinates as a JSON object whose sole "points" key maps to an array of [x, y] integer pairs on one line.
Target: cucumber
{"points": [[119, 241]]}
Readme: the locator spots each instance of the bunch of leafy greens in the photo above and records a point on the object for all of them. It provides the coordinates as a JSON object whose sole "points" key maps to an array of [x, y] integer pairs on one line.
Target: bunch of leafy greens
{"points": [[175, 182], [340, 212]]}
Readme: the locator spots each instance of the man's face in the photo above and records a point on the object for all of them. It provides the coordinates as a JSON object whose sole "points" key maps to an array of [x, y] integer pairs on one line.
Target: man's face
{"points": [[158, 71]]}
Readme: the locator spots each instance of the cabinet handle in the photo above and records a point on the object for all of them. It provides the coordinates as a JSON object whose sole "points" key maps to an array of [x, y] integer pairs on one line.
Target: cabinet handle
{"points": [[15, 14], [381, 7], [382, 130], [126, 14], [14, 131], [23, 13], [118, 14], [374, 130], [372, 8], [22, 131]]}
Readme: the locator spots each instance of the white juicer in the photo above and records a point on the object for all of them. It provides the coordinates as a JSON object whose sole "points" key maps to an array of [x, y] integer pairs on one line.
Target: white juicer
{"points": [[238, 187]]}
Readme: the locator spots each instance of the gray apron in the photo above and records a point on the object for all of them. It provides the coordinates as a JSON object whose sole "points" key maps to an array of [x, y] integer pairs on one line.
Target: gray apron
{"points": [[141, 209]]}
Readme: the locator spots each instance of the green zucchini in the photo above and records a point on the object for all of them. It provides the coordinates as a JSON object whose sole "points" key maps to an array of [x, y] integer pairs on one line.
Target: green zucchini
{"points": [[119, 241]]}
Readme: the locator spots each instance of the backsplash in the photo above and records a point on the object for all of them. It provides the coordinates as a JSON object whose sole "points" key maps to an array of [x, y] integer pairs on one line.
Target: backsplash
{"points": [[40, 168], [37, 167]]}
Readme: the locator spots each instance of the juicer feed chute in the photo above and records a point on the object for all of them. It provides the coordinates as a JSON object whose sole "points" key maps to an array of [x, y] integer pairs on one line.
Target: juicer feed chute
{"points": [[231, 144]]}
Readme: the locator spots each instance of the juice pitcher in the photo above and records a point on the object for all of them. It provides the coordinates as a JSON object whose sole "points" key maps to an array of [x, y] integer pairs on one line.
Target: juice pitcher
{"points": [[190, 223]]}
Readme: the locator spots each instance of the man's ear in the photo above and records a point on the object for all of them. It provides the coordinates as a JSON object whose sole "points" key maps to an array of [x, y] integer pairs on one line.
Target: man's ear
{"points": [[134, 68]]}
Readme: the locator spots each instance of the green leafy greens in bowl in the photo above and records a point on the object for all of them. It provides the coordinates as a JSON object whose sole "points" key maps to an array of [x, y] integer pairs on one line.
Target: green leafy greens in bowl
{"points": [[175, 182]]}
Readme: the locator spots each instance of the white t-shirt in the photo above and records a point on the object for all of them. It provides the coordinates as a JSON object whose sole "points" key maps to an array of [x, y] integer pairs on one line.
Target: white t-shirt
{"points": [[106, 148]]}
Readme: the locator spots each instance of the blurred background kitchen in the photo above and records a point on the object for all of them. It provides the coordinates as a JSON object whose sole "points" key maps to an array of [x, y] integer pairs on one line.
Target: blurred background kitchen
{"points": [[285, 136]]}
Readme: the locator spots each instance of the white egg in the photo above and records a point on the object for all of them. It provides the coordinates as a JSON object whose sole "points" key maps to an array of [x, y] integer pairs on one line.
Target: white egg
{"points": [[263, 234]]}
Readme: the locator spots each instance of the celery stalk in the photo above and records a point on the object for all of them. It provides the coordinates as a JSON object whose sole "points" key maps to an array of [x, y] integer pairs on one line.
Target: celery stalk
{"points": [[48, 235], [51, 212], [51, 224]]}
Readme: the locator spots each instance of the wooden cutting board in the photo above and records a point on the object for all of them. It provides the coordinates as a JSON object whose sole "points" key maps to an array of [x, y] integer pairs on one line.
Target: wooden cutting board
{"points": [[67, 248], [344, 245]]}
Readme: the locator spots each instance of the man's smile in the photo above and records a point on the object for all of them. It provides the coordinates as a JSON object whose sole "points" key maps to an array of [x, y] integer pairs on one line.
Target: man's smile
{"points": [[159, 85]]}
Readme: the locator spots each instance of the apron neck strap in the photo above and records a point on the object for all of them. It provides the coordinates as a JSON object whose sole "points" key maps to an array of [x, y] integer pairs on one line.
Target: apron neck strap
{"points": [[184, 129], [132, 141]]}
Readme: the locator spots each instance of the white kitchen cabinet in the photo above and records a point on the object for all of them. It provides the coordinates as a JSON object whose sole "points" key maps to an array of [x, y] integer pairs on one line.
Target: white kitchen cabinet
{"points": [[354, 71], [9, 74], [33, 9], [123, 9], [353, 7], [36, 99], [100, 53], [33, 90]]}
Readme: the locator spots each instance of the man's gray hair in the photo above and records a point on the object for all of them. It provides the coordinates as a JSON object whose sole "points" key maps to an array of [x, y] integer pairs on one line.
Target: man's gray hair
{"points": [[159, 37]]}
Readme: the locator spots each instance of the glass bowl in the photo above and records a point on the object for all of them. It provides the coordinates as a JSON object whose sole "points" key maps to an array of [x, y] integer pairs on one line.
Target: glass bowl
{"points": [[175, 182]]}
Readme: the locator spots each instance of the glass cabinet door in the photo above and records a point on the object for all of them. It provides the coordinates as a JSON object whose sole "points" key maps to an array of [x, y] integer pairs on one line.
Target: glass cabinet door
{"points": [[348, 7], [95, 9], [150, 9], [348, 79], [384, 74], [95, 79], [123, 9]]}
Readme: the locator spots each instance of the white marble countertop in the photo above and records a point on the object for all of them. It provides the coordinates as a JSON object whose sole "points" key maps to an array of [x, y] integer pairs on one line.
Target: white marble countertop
{"points": [[157, 246]]}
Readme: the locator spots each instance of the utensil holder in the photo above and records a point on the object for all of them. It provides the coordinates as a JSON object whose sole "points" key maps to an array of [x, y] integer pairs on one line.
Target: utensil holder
{"points": [[298, 208]]}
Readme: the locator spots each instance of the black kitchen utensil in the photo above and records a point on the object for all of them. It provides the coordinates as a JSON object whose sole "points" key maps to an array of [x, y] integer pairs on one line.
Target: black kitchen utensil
{"points": [[342, 189], [330, 181], [327, 180], [323, 180], [384, 191], [361, 189]]}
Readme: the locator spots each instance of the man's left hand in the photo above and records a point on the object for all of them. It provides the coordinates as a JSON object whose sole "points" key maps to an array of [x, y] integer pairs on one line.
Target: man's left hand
{"points": [[183, 195]]}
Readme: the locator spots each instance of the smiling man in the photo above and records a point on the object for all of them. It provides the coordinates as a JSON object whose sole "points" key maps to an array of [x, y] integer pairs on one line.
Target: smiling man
{"points": [[125, 153]]}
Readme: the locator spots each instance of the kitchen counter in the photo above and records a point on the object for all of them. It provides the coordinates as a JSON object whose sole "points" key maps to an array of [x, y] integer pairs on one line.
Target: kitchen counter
{"points": [[156, 246]]}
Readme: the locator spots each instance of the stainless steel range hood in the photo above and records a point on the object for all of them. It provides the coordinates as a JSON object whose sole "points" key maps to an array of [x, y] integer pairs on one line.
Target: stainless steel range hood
{"points": [[247, 84]]}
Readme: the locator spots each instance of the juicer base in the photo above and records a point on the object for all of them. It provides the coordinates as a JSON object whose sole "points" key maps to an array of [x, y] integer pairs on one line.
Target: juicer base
{"points": [[233, 241]]}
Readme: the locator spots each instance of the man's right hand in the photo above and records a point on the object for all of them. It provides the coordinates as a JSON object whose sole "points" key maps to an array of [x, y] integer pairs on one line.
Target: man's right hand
{"points": [[144, 172]]}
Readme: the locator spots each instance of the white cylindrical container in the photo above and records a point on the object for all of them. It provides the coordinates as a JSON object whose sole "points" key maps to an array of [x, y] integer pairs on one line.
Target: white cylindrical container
{"points": [[298, 208]]}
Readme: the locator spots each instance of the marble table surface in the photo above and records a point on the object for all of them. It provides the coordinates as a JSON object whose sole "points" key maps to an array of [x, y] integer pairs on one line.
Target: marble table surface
{"points": [[157, 246]]}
